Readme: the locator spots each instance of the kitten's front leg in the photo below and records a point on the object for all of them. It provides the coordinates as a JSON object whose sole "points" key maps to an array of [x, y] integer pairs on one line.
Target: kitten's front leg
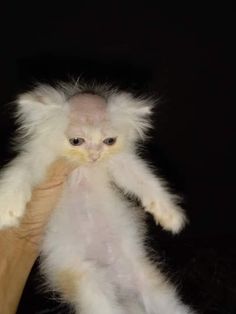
{"points": [[132, 174], [165, 212], [15, 192], [16, 183], [43, 120]]}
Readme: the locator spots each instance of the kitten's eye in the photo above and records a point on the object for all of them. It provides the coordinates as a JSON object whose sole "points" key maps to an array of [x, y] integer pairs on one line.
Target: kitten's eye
{"points": [[109, 140], [76, 141]]}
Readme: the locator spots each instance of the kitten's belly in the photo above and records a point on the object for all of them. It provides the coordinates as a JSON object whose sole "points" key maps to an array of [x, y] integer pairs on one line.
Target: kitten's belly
{"points": [[94, 222], [97, 233]]}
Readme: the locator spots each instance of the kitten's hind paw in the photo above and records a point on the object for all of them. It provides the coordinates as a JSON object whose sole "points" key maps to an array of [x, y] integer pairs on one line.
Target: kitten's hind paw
{"points": [[11, 210], [171, 218]]}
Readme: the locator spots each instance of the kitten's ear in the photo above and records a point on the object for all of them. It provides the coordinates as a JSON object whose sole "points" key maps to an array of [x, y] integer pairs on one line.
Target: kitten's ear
{"points": [[39, 102], [134, 113]]}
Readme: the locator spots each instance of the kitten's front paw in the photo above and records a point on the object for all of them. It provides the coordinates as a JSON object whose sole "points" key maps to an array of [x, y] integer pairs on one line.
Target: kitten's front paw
{"points": [[170, 216], [11, 210]]}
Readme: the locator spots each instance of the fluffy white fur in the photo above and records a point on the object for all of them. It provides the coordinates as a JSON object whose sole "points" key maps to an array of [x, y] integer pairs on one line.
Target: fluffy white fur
{"points": [[93, 252]]}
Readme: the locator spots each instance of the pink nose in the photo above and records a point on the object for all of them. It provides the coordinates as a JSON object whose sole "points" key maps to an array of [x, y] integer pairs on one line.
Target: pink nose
{"points": [[94, 157]]}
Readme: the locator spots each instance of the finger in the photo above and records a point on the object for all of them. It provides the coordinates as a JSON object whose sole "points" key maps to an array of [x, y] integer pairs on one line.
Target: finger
{"points": [[60, 168]]}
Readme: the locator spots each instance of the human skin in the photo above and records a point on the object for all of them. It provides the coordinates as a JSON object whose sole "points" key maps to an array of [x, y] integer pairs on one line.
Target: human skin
{"points": [[19, 246]]}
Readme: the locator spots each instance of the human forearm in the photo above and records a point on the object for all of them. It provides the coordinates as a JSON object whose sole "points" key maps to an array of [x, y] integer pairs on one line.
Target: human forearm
{"points": [[16, 262]]}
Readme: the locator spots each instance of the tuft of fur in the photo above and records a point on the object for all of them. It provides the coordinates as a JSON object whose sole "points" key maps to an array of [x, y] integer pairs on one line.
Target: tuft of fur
{"points": [[93, 252]]}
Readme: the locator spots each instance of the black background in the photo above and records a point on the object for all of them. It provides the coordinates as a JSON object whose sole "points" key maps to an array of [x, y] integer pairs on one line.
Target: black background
{"points": [[180, 53]]}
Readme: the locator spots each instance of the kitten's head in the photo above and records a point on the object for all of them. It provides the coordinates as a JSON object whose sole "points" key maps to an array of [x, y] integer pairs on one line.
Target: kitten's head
{"points": [[99, 121], [102, 127]]}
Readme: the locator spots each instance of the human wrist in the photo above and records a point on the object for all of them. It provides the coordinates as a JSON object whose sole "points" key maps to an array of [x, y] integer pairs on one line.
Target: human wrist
{"points": [[15, 244]]}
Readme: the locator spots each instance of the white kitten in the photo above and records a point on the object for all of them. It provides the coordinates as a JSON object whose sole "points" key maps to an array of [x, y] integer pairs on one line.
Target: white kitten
{"points": [[92, 252]]}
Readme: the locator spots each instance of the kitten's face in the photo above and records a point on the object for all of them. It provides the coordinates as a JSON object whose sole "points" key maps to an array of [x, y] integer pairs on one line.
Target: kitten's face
{"points": [[91, 138]]}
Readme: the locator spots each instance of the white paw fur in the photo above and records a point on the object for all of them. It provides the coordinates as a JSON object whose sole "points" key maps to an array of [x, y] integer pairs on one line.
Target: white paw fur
{"points": [[15, 192], [12, 209], [171, 217]]}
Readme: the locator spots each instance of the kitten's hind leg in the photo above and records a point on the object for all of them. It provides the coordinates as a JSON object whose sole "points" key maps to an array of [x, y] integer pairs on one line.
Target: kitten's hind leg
{"points": [[133, 306], [158, 295], [88, 289]]}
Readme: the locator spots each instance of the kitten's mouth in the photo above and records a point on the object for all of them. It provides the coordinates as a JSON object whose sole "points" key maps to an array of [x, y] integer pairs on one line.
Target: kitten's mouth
{"points": [[94, 161]]}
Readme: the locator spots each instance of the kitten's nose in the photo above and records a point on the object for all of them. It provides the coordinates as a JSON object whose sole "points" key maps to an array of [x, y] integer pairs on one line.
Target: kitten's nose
{"points": [[94, 156]]}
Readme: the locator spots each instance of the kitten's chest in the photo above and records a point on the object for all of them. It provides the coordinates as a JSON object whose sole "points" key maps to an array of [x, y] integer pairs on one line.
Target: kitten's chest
{"points": [[89, 180], [90, 204]]}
